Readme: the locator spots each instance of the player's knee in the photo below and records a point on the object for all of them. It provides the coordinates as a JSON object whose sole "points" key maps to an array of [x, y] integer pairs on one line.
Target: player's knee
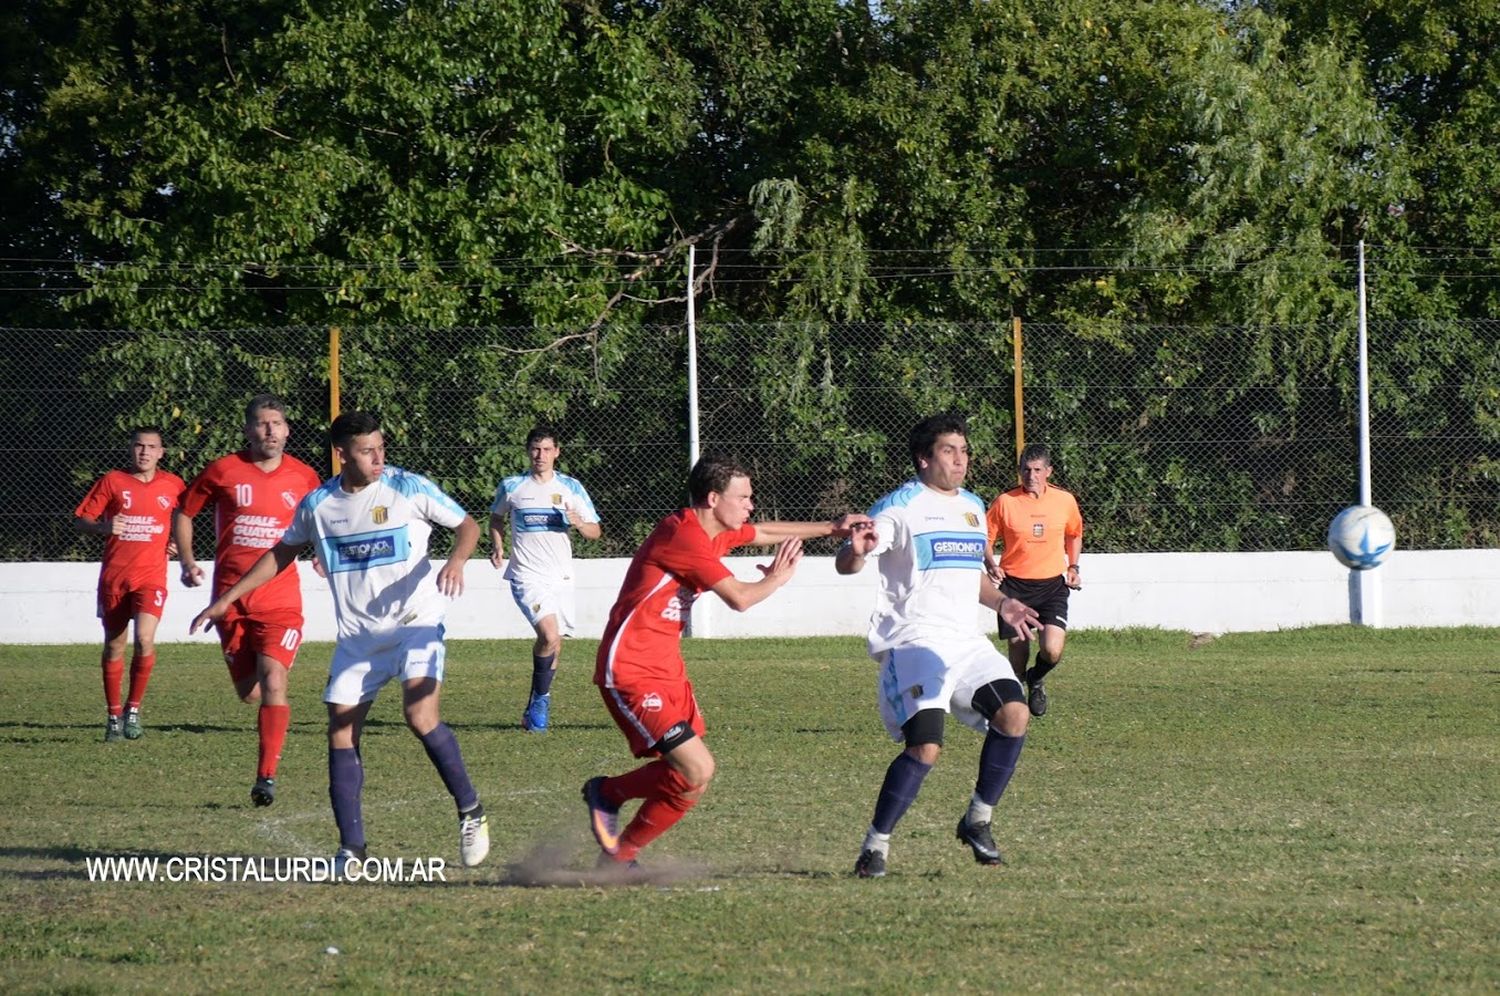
{"points": [[249, 695], [1012, 719], [924, 735]]}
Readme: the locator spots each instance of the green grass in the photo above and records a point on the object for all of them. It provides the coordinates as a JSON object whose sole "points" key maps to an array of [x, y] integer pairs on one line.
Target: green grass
{"points": [[1315, 810]]}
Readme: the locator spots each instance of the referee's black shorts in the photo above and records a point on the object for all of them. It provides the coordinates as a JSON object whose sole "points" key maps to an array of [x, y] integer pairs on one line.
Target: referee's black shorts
{"points": [[1049, 596]]}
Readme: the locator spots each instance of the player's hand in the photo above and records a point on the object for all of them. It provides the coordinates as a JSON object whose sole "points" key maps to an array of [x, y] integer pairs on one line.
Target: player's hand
{"points": [[497, 558], [1021, 617], [171, 549], [1073, 579], [192, 574], [992, 568], [116, 525], [212, 614], [318, 567], [450, 580], [574, 517], [844, 525], [863, 537], [788, 555]]}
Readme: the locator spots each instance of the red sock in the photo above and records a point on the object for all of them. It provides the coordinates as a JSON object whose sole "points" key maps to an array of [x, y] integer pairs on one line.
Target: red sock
{"points": [[140, 673], [657, 815], [644, 782], [114, 674], [272, 722]]}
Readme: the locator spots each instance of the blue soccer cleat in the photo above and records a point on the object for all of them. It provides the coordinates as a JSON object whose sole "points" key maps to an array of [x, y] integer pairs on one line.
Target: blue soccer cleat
{"points": [[538, 713]]}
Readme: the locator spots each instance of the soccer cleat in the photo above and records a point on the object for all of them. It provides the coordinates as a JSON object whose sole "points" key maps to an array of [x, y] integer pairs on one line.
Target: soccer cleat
{"points": [[473, 837], [614, 868], [538, 712], [871, 864], [604, 819], [114, 730], [341, 860], [980, 841], [1036, 698], [263, 792], [133, 729]]}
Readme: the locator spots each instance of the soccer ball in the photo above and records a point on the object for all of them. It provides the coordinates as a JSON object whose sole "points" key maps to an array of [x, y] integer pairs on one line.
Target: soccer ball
{"points": [[1361, 537]]}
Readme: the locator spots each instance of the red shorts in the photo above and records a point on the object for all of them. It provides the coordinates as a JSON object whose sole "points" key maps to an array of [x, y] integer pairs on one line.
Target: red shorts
{"points": [[277, 635], [119, 604], [648, 711]]}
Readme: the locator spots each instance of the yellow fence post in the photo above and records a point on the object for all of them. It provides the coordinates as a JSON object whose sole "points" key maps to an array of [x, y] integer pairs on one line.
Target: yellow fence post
{"points": [[333, 387], [1020, 382]]}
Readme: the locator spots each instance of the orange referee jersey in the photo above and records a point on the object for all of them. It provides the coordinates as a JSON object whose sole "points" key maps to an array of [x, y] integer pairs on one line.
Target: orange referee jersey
{"points": [[1032, 529]]}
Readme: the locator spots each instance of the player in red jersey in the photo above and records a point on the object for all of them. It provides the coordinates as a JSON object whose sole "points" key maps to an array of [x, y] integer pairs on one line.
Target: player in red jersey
{"points": [[254, 493], [640, 671], [134, 509]]}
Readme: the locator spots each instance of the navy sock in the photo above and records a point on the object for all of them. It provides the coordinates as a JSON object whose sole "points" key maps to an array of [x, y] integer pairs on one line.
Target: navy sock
{"points": [[997, 762], [1039, 670], [346, 779], [542, 673], [442, 749], [903, 779]]}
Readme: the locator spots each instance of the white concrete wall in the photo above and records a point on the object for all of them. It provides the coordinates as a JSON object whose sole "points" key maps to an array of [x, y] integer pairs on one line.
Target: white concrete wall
{"points": [[1201, 592]]}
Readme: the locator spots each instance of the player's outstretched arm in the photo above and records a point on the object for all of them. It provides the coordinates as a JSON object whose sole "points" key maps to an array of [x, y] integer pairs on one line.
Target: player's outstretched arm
{"points": [[740, 595], [775, 532], [182, 535], [267, 567], [1021, 617], [450, 578]]}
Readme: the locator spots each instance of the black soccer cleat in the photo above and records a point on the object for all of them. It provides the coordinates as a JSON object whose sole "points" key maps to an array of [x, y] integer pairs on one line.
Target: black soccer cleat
{"points": [[980, 841], [263, 792], [1036, 698], [871, 864]]}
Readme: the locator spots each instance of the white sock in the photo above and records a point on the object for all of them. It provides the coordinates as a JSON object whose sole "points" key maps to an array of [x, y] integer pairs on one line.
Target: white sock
{"points": [[877, 842], [979, 811]]}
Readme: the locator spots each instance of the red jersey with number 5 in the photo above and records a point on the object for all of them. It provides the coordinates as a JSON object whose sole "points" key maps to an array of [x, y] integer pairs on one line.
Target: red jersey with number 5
{"points": [[136, 557], [643, 638], [252, 508]]}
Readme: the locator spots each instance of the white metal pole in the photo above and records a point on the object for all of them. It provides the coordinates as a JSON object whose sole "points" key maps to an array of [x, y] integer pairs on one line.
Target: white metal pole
{"points": [[700, 621], [1366, 606]]}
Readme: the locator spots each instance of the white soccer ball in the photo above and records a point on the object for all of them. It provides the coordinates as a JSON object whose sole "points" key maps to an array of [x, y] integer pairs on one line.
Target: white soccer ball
{"points": [[1361, 537]]}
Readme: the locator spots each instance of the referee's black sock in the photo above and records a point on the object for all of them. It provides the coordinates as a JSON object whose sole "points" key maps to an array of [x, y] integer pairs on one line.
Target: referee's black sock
{"points": [[1039, 670]]}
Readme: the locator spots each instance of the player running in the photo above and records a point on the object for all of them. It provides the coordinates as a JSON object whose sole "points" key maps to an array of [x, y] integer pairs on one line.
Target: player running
{"points": [[133, 508], [541, 507], [930, 538], [640, 671], [254, 493], [370, 525]]}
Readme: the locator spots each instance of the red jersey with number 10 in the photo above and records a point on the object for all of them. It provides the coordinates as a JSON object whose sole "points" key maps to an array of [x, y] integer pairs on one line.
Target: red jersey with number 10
{"points": [[643, 639], [136, 557], [252, 508]]}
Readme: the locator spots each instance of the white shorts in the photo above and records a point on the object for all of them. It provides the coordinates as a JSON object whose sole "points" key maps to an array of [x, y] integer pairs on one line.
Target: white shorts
{"points": [[538, 598], [928, 676], [363, 664]]}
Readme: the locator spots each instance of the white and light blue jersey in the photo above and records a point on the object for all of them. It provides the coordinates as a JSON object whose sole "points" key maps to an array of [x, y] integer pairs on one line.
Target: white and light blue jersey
{"points": [[540, 546], [373, 545], [931, 551]]}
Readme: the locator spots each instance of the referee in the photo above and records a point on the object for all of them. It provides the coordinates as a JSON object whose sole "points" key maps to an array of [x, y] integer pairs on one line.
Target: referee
{"points": [[1040, 533]]}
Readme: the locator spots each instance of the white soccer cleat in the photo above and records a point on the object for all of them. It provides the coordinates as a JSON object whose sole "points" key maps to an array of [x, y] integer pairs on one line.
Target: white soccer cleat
{"points": [[473, 838]]}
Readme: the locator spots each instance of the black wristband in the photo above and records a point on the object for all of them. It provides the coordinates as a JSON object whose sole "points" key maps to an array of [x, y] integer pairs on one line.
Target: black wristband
{"points": [[1072, 567]]}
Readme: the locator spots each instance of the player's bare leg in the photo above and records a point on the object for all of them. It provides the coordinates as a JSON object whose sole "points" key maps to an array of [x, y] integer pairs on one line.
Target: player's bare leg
{"points": [[1047, 658], [419, 704], [545, 651], [272, 720]]}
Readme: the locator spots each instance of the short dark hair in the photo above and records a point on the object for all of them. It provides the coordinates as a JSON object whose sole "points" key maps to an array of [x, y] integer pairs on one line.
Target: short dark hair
{"points": [[539, 433], [925, 433], [154, 430], [351, 424], [260, 401], [712, 473], [1035, 451]]}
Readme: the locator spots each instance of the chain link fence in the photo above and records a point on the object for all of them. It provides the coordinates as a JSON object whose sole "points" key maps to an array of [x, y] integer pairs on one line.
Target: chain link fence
{"points": [[1173, 438]]}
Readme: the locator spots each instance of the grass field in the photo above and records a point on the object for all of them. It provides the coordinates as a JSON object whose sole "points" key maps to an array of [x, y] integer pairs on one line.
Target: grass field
{"points": [[1315, 810]]}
